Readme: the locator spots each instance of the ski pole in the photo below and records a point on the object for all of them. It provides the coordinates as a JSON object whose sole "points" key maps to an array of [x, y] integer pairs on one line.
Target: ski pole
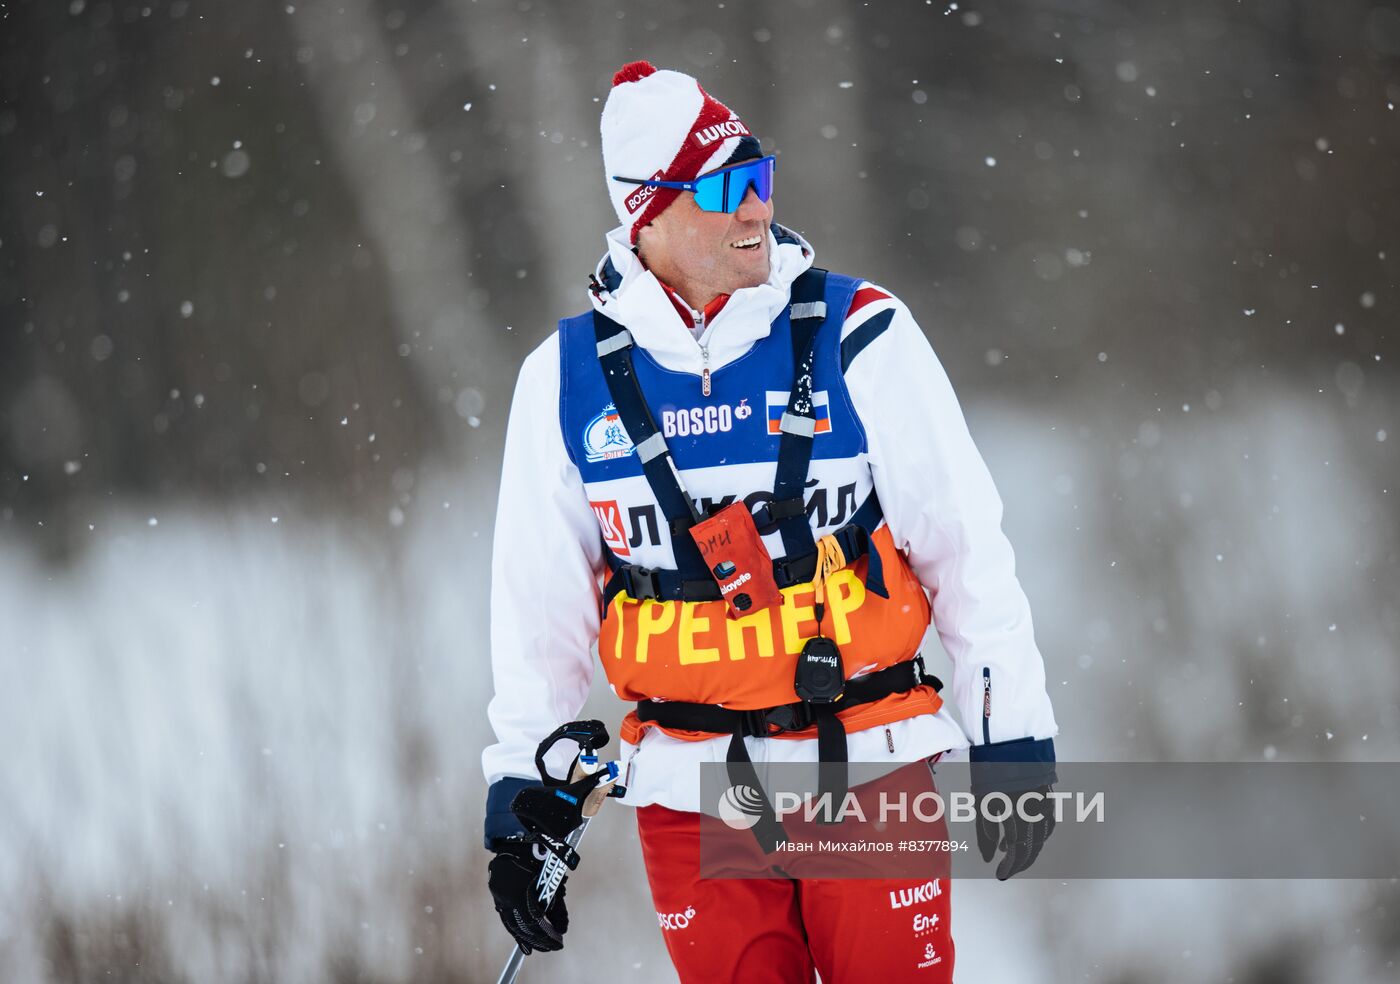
{"points": [[592, 781], [553, 868]]}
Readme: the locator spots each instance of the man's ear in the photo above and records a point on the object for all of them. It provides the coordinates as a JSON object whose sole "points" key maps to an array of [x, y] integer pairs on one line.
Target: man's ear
{"points": [[639, 247]]}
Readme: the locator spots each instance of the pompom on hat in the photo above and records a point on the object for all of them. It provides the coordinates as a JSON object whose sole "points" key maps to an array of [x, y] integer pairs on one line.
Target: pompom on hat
{"points": [[661, 124]]}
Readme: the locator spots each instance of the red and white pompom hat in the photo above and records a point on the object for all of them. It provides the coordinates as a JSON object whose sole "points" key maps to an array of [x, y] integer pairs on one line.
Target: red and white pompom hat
{"points": [[661, 125]]}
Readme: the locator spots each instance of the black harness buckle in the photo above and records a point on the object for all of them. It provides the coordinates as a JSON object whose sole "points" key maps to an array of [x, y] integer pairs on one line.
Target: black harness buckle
{"points": [[755, 723], [789, 717], [769, 722], [772, 512], [642, 582], [922, 677]]}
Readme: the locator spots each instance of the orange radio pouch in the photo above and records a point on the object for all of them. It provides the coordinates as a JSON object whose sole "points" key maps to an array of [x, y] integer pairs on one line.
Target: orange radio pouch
{"points": [[737, 560]]}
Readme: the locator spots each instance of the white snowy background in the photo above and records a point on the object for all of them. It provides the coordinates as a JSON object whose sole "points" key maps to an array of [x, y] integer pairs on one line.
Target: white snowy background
{"points": [[266, 276]]}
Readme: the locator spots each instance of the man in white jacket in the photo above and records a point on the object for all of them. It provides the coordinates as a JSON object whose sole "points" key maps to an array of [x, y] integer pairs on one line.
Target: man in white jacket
{"points": [[722, 379]]}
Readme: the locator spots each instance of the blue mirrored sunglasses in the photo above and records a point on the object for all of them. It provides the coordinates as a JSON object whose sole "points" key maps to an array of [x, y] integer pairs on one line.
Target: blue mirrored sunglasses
{"points": [[722, 190]]}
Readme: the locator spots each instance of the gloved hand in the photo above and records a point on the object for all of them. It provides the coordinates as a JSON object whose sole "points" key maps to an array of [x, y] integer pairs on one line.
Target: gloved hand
{"points": [[1024, 767], [1019, 838], [529, 823], [512, 875]]}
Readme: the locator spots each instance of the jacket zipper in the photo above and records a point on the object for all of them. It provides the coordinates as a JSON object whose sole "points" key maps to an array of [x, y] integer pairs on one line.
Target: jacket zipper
{"points": [[986, 705], [705, 370]]}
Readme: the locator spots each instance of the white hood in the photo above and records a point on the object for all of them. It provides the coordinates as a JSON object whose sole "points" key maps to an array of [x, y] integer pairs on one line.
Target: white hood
{"points": [[640, 304]]}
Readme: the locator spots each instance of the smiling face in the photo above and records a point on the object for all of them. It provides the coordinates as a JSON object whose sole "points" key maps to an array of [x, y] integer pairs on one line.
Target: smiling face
{"points": [[701, 255]]}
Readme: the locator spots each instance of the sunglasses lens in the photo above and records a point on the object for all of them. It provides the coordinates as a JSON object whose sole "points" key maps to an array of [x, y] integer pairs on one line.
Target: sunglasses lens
{"points": [[756, 174], [725, 191], [763, 179], [709, 192]]}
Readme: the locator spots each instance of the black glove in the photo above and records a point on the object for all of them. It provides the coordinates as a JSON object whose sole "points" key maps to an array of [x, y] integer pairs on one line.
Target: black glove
{"points": [[1019, 838], [511, 877], [528, 823], [1023, 767]]}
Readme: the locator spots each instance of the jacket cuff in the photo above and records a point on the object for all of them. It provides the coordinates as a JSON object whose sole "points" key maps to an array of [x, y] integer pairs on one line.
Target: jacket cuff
{"points": [[1013, 766], [501, 821]]}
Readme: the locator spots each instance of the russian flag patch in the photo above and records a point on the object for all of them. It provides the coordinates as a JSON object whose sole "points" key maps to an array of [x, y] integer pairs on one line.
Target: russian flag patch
{"points": [[777, 406]]}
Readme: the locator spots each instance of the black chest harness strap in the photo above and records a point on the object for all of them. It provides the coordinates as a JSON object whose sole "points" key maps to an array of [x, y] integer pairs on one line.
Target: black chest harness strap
{"points": [[784, 514], [643, 583], [773, 721]]}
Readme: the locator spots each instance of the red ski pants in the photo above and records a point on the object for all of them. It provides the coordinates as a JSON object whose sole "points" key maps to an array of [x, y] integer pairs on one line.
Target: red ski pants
{"points": [[778, 931]]}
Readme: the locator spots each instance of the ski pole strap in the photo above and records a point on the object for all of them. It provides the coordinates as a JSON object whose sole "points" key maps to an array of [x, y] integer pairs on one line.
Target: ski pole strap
{"points": [[589, 735], [554, 811], [567, 856]]}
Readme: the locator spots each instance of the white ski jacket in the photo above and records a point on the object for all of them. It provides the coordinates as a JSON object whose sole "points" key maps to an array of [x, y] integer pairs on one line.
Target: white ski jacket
{"points": [[938, 500]]}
